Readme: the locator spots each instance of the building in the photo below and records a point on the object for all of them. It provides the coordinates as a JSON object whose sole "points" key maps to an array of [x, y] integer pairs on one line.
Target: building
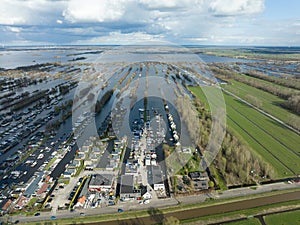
{"points": [[155, 177], [74, 164], [127, 189], [7, 205], [200, 184], [22, 201], [80, 202], [199, 179], [43, 189], [101, 182], [198, 175], [33, 186]]}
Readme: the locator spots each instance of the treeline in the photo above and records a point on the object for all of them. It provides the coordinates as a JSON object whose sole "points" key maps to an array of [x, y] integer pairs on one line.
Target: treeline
{"points": [[125, 75], [288, 82], [293, 104], [105, 98], [205, 123], [236, 162], [189, 115], [29, 99], [268, 87]]}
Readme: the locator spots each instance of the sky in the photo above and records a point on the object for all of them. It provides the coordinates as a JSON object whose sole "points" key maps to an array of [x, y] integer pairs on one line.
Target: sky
{"points": [[180, 22]]}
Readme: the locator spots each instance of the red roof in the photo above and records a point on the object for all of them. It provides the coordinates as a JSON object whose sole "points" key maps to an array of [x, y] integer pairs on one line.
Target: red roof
{"points": [[82, 199], [7, 204], [47, 178], [43, 188], [22, 201]]}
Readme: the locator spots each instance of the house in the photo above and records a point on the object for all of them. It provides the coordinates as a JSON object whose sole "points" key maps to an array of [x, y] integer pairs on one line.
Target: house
{"points": [[84, 148], [75, 163], [117, 144], [199, 180], [22, 201], [127, 189], [198, 175], [67, 174], [33, 186], [145, 193], [80, 156], [43, 189], [200, 184], [112, 165], [101, 182], [72, 171], [94, 157], [80, 202], [96, 150], [6, 206]]}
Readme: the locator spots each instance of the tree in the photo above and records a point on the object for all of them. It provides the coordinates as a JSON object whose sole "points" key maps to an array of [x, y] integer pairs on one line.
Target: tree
{"points": [[186, 180], [293, 103], [253, 100]]}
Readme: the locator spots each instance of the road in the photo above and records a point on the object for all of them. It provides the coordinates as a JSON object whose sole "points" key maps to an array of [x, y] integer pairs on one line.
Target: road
{"points": [[156, 216], [130, 206]]}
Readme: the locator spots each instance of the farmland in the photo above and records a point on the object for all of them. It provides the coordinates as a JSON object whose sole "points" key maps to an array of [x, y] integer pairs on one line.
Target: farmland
{"points": [[284, 218], [273, 142], [269, 103]]}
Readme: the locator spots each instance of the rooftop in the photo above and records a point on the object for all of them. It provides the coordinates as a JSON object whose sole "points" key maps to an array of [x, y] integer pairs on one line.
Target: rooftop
{"points": [[127, 185], [155, 174], [101, 180]]}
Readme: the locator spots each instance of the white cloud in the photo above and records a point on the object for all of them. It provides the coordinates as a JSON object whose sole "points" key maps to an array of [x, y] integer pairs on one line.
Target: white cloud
{"points": [[14, 29], [236, 7], [94, 11], [31, 12], [131, 21], [163, 4], [122, 38]]}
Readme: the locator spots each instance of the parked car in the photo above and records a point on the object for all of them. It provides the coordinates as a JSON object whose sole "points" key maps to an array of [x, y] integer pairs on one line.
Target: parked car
{"points": [[53, 217]]}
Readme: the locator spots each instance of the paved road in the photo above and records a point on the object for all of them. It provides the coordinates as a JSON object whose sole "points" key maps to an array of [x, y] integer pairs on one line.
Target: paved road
{"points": [[155, 216], [129, 206]]}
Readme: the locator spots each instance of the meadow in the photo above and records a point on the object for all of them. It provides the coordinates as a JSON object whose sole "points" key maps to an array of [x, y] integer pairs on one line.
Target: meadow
{"points": [[276, 144]]}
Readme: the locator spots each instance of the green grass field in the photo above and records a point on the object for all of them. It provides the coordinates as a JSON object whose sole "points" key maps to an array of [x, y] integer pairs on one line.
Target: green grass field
{"points": [[287, 218], [270, 103], [276, 144], [277, 86], [250, 221]]}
